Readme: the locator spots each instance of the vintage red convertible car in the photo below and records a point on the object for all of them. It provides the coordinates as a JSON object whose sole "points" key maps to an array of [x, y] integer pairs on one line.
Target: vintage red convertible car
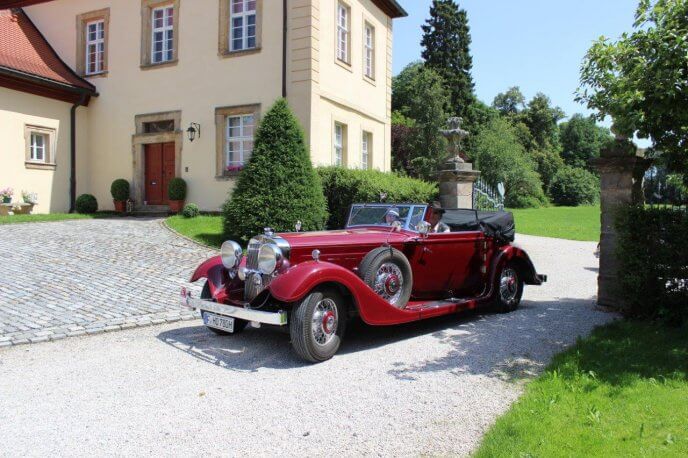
{"points": [[387, 266]]}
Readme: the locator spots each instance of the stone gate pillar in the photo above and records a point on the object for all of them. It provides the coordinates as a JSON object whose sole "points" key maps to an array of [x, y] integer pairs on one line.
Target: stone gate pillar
{"points": [[621, 173], [456, 184], [456, 176]]}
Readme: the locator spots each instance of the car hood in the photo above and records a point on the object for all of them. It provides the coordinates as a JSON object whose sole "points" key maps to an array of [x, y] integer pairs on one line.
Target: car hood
{"points": [[358, 236]]}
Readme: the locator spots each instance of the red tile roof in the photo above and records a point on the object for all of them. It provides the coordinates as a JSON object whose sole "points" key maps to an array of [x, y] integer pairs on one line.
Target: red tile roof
{"points": [[23, 49]]}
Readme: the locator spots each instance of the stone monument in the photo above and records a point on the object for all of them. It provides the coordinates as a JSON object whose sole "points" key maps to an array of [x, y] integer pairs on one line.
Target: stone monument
{"points": [[456, 176], [621, 172]]}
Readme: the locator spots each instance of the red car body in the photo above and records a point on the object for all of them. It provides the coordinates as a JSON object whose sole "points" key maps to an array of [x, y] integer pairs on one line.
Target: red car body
{"points": [[451, 272]]}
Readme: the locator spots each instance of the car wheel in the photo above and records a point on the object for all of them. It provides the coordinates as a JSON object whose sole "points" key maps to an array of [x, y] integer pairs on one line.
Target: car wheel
{"points": [[239, 325], [317, 325], [388, 273], [509, 289]]}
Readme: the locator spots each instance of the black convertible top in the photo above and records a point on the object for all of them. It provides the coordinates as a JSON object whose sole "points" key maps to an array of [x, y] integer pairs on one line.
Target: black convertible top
{"points": [[497, 224]]}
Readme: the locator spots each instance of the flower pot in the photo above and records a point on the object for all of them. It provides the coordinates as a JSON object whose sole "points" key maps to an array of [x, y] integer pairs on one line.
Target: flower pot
{"points": [[120, 206], [176, 205], [6, 200]]}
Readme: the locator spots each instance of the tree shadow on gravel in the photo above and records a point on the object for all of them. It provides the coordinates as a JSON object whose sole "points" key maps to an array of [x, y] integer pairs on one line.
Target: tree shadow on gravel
{"points": [[508, 346], [512, 347]]}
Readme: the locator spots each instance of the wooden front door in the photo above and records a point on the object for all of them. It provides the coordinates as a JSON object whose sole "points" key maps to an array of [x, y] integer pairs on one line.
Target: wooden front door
{"points": [[159, 170]]}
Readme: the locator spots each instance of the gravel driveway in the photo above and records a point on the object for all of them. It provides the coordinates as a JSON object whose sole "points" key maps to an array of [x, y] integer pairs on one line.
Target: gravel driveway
{"points": [[426, 388]]}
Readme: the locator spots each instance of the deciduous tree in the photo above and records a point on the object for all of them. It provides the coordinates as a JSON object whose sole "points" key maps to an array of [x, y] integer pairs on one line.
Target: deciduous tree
{"points": [[641, 80]]}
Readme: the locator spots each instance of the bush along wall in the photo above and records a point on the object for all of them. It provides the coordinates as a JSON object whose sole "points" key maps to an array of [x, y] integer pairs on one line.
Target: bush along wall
{"points": [[343, 187], [653, 263]]}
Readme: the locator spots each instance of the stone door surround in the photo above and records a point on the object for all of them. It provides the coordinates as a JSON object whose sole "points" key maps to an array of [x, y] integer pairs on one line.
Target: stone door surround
{"points": [[139, 139]]}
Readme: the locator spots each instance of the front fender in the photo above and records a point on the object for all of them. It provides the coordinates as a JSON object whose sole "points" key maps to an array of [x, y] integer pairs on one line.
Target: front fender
{"points": [[214, 271], [298, 281]]}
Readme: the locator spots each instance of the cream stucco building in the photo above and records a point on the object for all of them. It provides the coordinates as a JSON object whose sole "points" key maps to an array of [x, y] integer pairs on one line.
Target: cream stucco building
{"points": [[160, 67]]}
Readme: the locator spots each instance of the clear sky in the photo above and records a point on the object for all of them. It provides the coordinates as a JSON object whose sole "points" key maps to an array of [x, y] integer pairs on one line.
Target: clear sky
{"points": [[537, 45]]}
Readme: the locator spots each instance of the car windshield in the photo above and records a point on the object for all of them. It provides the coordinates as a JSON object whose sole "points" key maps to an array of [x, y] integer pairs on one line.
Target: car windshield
{"points": [[385, 215]]}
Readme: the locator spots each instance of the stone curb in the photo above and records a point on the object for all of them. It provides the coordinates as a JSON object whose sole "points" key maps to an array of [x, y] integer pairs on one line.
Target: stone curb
{"points": [[163, 223], [99, 328]]}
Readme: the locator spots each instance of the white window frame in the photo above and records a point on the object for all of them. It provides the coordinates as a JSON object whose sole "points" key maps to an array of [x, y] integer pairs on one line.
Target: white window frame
{"points": [[34, 147], [366, 144], [244, 16], [167, 41], [338, 144], [98, 45], [343, 30], [369, 50], [241, 138]]}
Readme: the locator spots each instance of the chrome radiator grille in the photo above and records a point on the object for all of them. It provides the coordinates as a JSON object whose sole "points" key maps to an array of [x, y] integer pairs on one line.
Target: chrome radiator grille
{"points": [[255, 281]]}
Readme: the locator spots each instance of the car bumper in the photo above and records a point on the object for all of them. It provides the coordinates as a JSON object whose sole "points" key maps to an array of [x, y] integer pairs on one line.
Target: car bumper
{"points": [[278, 318]]}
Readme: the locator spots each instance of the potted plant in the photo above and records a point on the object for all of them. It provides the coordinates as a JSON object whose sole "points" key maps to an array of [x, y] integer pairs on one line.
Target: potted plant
{"points": [[6, 195], [176, 193], [30, 199], [120, 194]]}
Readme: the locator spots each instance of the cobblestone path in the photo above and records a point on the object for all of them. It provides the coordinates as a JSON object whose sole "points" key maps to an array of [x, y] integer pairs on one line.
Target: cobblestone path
{"points": [[72, 278]]}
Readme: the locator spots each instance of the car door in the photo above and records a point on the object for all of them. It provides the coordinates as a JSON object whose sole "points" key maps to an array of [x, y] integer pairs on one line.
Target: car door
{"points": [[445, 265]]}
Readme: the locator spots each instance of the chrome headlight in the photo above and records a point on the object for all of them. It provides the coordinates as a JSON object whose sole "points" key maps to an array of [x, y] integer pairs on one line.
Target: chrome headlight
{"points": [[231, 254], [270, 258]]}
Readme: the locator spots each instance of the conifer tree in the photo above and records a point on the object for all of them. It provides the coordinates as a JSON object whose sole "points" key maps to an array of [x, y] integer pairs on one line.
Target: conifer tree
{"points": [[446, 49], [278, 186]]}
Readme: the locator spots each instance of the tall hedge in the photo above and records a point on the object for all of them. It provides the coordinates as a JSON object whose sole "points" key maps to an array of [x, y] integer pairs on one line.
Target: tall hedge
{"points": [[344, 187], [278, 186], [653, 263]]}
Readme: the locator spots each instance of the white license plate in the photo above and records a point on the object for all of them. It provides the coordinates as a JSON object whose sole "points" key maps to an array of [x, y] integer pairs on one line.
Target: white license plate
{"points": [[224, 323]]}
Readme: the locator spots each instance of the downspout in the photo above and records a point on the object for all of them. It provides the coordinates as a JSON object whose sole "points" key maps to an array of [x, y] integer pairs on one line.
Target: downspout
{"points": [[72, 152], [284, 48]]}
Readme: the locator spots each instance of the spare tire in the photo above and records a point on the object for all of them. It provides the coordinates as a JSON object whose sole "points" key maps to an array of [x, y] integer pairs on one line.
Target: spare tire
{"points": [[387, 271]]}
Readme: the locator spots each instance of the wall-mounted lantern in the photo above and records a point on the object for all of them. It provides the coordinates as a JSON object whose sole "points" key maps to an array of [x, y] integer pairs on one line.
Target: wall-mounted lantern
{"points": [[193, 129]]}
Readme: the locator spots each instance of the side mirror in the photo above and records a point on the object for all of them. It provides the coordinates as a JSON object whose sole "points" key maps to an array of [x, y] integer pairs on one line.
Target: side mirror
{"points": [[298, 226], [423, 228]]}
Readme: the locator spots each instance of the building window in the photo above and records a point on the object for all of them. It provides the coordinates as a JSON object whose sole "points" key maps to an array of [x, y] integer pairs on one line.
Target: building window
{"points": [[339, 144], [366, 145], [343, 32], [239, 140], [162, 38], [235, 128], [92, 42], [95, 47], [159, 32], [369, 51], [37, 148], [156, 127], [242, 21]]}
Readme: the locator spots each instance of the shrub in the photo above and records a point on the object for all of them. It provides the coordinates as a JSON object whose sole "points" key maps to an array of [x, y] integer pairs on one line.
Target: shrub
{"points": [[120, 189], [191, 211], [653, 263], [573, 186], [86, 204], [278, 186], [176, 189], [344, 187], [500, 156]]}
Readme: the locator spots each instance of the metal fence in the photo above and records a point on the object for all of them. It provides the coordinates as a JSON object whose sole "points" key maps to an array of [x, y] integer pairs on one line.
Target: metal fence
{"points": [[487, 198]]}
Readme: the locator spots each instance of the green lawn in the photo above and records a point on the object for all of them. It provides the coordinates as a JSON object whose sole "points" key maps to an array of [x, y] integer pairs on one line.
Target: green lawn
{"points": [[52, 217], [623, 391], [204, 229], [573, 223]]}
